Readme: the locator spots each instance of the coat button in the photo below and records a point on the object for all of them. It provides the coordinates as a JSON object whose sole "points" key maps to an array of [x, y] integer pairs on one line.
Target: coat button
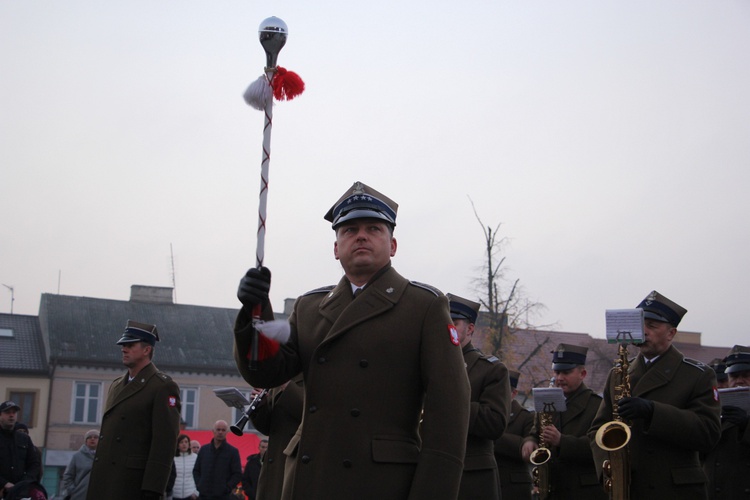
{"points": [[347, 464], [321, 360], [270, 460], [355, 412], [305, 459], [313, 409], [364, 363], [118, 439]]}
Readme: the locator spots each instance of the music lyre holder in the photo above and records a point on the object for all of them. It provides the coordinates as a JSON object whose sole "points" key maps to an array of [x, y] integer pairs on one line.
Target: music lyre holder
{"points": [[235, 399]]}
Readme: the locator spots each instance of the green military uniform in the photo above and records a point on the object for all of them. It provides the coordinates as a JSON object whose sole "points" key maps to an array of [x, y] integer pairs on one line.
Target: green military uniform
{"points": [[664, 454], [278, 417], [515, 480], [490, 406], [138, 439], [371, 364]]}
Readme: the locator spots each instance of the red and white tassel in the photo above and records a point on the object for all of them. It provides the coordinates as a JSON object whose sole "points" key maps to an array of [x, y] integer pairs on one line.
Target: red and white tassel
{"points": [[285, 86]]}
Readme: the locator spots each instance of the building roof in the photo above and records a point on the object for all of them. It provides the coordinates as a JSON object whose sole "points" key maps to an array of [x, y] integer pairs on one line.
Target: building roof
{"points": [[83, 331], [21, 345]]}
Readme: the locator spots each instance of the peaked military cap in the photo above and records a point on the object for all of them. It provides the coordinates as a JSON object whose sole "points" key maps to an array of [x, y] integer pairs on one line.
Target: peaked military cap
{"points": [[738, 359], [514, 376], [719, 366], [462, 308], [568, 356], [359, 202], [139, 332], [657, 306]]}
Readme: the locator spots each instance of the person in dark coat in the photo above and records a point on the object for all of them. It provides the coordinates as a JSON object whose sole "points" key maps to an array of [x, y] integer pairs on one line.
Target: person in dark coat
{"points": [[278, 416], [490, 406], [728, 464], [140, 425], [673, 411], [571, 467], [515, 479], [251, 473], [373, 361], [218, 469], [19, 461]]}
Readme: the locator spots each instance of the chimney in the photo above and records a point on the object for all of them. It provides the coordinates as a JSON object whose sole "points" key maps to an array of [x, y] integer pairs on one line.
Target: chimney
{"points": [[151, 294]]}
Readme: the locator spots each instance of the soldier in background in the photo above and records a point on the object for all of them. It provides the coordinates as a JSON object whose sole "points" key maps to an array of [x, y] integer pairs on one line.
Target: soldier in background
{"points": [[489, 407], [728, 464], [515, 479], [722, 379]]}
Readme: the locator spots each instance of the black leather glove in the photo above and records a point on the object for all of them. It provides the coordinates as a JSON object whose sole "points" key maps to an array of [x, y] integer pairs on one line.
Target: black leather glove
{"points": [[632, 408], [150, 495], [734, 415], [254, 286]]}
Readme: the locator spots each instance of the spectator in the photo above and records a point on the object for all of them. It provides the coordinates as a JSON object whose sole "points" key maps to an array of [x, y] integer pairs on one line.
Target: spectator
{"points": [[21, 427], [217, 469], [76, 477], [195, 447], [18, 460], [252, 470], [184, 462]]}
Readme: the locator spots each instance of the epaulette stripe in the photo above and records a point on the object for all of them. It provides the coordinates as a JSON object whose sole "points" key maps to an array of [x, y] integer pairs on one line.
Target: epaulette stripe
{"points": [[322, 289], [493, 359], [426, 287]]}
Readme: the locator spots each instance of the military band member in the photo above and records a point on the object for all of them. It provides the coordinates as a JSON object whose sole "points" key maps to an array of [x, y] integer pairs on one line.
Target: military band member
{"points": [[572, 472], [728, 464], [673, 411], [515, 480], [719, 366], [489, 409], [140, 425], [375, 350]]}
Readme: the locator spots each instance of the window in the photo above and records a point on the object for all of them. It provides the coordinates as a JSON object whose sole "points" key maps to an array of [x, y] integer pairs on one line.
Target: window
{"points": [[27, 401], [237, 413], [189, 400], [87, 401]]}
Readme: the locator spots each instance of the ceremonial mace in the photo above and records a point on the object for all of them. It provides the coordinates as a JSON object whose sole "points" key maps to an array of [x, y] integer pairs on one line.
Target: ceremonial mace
{"points": [[281, 84]]}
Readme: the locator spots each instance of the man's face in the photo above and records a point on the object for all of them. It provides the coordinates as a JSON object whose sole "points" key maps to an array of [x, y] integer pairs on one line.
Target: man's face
{"points": [[220, 431], [262, 447], [465, 331], [570, 380], [658, 337], [134, 353], [739, 379], [8, 419], [195, 446], [92, 441], [363, 246]]}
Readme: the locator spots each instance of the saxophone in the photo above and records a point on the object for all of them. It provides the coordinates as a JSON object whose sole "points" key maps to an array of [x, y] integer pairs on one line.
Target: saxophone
{"points": [[614, 436], [539, 457]]}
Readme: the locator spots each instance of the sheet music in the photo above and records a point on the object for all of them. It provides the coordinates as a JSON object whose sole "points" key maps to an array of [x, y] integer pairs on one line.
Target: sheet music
{"points": [[735, 396], [232, 397], [624, 326], [549, 399]]}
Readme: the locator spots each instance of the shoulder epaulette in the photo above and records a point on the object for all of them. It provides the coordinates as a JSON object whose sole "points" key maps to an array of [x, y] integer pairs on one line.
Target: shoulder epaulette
{"points": [[426, 287], [163, 376], [491, 359], [695, 363], [322, 289]]}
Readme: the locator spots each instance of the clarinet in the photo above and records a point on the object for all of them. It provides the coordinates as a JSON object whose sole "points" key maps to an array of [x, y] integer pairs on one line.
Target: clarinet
{"points": [[239, 427]]}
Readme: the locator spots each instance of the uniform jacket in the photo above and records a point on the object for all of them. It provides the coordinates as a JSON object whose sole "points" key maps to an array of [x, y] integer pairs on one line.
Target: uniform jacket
{"points": [[138, 436], [217, 471], [515, 480], [664, 453], [278, 417], [488, 416], [76, 477], [19, 460], [370, 365], [572, 471], [728, 464]]}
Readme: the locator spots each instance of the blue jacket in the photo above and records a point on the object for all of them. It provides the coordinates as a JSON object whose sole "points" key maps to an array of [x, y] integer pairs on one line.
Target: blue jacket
{"points": [[217, 470]]}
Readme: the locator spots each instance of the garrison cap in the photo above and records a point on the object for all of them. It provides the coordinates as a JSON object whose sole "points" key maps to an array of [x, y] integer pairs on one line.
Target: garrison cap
{"points": [[139, 332], [738, 359], [462, 308], [9, 405], [568, 356], [360, 202], [657, 306], [514, 376], [719, 366]]}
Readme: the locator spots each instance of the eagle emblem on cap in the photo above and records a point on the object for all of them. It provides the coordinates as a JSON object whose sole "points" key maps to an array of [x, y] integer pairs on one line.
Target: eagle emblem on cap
{"points": [[358, 188], [561, 349]]}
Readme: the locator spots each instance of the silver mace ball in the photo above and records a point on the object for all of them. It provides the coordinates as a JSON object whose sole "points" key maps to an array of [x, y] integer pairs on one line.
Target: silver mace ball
{"points": [[272, 33]]}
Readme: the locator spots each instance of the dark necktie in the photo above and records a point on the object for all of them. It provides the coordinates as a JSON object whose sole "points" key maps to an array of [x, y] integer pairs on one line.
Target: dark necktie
{"points": [[357, 292]]}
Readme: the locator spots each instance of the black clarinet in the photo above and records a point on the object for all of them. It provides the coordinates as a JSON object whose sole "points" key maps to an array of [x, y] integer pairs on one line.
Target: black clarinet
{"points": [[239, 427]]}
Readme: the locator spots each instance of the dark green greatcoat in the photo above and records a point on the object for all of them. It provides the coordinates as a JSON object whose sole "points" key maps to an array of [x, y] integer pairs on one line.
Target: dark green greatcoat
{"points": [[138, 438], [370, 365], [515, 479]]}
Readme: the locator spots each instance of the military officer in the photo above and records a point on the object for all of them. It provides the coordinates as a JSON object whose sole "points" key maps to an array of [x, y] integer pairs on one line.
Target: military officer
{"points": [[572, 472], [673, 410], [515, 480], [375, 351], [140, 425], [490, 406], [728, 464]]}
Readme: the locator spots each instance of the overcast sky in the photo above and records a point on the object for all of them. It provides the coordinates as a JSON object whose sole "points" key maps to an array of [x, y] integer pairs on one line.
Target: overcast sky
{"points": [[610, 139]]}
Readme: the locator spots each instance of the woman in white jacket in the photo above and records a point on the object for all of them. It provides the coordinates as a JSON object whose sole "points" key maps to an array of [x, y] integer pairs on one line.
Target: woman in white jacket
{"points": [[184, 461]]}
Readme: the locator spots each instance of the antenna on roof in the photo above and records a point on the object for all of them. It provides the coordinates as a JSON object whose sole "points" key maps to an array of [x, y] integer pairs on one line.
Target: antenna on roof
{"points": [[12, 296], [174, 284]]}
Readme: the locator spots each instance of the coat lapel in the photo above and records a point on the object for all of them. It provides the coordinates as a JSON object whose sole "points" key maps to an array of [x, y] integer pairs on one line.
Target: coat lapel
{"points": [[122, 391]]}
